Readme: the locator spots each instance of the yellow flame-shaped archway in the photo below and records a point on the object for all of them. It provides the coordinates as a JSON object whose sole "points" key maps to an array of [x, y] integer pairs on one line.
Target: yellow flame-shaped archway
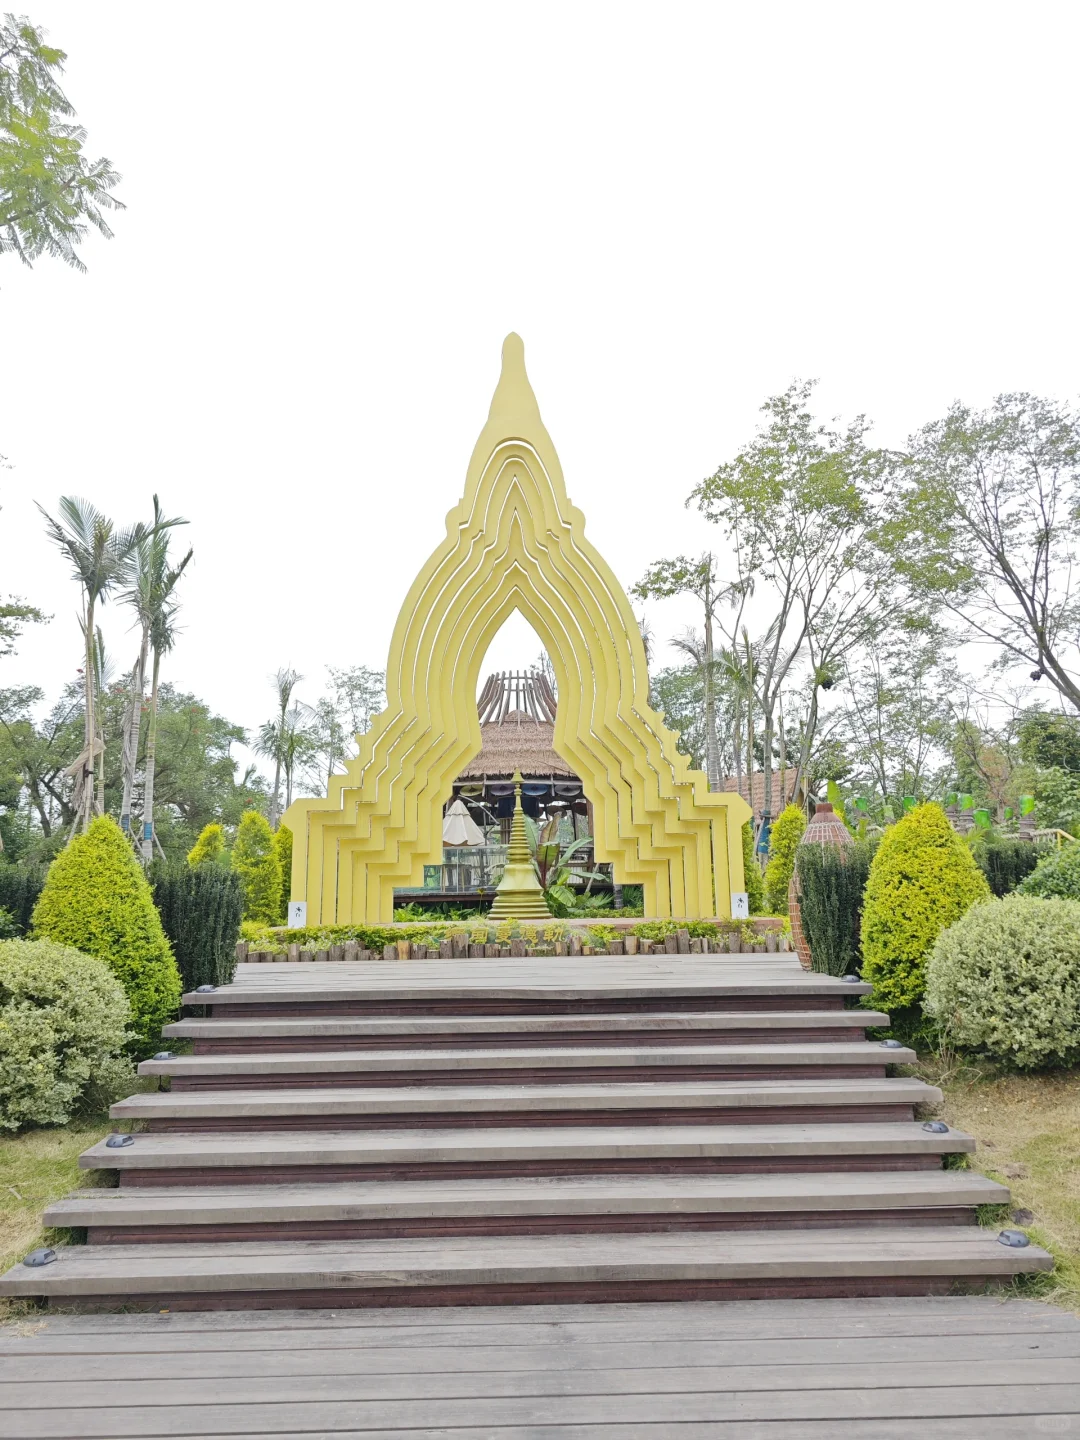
{"points": [[516, 543]]}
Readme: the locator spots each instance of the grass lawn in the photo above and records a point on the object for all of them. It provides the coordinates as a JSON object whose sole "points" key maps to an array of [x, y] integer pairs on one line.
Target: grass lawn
{"points": [[35, 1168], [1028, 1132]]}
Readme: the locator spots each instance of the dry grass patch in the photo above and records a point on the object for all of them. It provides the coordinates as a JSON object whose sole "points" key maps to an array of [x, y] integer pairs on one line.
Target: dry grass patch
{"points": [[1028, 1133]]}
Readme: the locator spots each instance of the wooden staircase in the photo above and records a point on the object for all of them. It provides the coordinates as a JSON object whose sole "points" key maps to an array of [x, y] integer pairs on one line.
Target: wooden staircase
{"points": [[553, 1130]]}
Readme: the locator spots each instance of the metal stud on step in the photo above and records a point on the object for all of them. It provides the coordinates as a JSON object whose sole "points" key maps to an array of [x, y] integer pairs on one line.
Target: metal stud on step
{"points": [[891, 1044], [205, 989], [119, 1142], [1015, 1239], [165, 1055], [39, 1257], [850, 979], [936, 1127]]}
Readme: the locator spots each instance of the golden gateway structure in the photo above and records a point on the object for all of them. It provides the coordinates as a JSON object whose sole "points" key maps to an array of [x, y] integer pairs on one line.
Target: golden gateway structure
{"points": [[515, 542]]}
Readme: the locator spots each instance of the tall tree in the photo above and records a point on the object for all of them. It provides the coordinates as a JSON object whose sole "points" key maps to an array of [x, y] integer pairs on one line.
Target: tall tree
{"points": [[799, 505], [50, 192], [149, 568], [986, 526], [100, 557], [684, 576], [163, 610], [272, 734]]}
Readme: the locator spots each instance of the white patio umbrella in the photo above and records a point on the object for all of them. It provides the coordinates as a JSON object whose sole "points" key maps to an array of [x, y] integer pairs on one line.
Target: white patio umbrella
{"points": [[459, 828]]}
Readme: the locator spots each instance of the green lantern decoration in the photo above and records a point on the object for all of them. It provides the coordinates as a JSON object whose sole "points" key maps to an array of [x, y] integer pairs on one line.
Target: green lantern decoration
{"points": [[982, 819]]}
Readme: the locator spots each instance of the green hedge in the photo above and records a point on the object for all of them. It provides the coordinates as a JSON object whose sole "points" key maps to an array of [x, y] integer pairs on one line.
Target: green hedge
{"points": [[832, 883], [1004, 860], [63, 1026], [97, 899], [201, 910], [19, 891], [1057, 875], [1005, 978]]}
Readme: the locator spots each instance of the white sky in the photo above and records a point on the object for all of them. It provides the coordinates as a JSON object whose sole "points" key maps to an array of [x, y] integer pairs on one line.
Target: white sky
{"points": [[336, 212]]}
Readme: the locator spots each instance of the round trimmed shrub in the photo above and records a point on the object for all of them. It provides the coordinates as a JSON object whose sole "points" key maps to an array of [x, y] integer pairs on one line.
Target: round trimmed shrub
{"points": [[783, 842], [1005, 978], [922, 879], [97, 899], [63, 1027], [209, 848], [1057, 875]]}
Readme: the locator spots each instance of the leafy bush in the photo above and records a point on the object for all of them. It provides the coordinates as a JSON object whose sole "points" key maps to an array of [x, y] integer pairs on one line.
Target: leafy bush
{"points": [[1003, 859], [832, 883], [751, 873], [783, 842], [9, 926], [254, 860], [1005, 978], [1057, 875], [283, 851], [63, 1019], [19, 891], [209, 848], [922, 878], [200, 909], [97, 899]]}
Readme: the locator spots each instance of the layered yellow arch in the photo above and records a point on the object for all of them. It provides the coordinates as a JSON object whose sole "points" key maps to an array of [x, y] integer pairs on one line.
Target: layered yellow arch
{"points": [[516, 543]]}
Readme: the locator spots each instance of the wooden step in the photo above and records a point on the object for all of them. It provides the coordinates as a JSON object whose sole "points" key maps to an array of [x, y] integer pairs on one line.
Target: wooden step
{"points": [[265, 1035], [527, 1268], [525, 1206], [528, 1062], [328, 1155], [636, 1102], [546, 984]]}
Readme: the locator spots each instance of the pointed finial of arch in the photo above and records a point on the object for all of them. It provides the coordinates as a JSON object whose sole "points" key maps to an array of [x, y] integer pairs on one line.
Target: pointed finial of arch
{"points": [[513, 406]]}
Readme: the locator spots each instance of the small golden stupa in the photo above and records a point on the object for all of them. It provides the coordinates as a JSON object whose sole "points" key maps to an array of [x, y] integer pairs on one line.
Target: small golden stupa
{"points": [[519, 896]]}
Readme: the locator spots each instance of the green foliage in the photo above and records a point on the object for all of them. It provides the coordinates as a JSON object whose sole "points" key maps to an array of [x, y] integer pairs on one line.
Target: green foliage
{"points": [[1003, 859], [97, 899], [200, 910], [1057, 800], [1050, 741], [63, 1018], [209, 848], [9, 926], [1005, 978], [751, 873], [783, 841], [255, 861], [19, 891], [1057, 875], [832, 883], [49, 190], [922, 878], [283, 850]]}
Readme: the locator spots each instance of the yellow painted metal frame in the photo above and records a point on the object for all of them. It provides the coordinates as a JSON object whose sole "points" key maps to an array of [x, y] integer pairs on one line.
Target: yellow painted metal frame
{"points": [[515, 542]]}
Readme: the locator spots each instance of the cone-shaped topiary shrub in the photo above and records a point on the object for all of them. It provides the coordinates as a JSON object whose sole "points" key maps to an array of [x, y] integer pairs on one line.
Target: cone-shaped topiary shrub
{"points": [[255, 861], [1057, 875], [201, 910], [97, 899], [209, 848], [63, 1027], [922, 878], [751, 873], [1005, 978], [783, 842], [283, 850]]}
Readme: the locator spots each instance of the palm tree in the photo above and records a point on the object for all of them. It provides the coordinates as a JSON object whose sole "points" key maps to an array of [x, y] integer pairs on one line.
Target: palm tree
{"points": [[273, 735], [163, 607], [100, 557], [147, 566]]}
